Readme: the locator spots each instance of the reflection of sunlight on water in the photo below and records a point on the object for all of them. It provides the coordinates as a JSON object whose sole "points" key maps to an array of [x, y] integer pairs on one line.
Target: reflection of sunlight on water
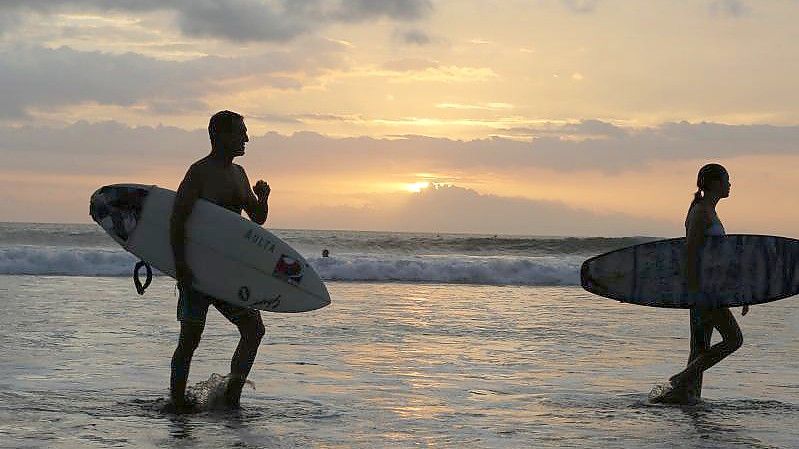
{"points": [[400, 365]]}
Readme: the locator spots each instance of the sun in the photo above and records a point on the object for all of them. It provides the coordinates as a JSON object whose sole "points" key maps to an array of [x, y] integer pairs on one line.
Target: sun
{"points": [[417, 187]]}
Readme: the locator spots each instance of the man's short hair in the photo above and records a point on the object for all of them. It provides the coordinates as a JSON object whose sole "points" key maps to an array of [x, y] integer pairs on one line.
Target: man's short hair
{"points": [[222, 121]]}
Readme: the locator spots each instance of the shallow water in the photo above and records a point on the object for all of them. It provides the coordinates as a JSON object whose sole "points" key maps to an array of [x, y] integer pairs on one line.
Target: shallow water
{"points": [[84, 362]]}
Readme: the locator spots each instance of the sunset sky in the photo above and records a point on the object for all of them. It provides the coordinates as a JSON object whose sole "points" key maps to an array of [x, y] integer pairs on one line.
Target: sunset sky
{"points": [[548, 117]]}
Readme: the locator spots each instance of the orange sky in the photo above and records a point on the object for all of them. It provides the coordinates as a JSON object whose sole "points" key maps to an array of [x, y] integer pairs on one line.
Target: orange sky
{"points": [[582, 110]]}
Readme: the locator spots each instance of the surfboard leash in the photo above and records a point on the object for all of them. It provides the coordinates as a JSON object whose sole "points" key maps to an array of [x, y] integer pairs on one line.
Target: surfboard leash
{"points": [[140, 288]]}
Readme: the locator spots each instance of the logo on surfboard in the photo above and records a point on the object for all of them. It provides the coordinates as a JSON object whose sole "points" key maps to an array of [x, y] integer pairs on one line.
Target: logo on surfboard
{"points": [[288, 269], [260, 241]]}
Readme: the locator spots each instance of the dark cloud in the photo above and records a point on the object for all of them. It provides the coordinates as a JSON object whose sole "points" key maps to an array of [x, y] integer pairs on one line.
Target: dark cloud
{"points": [[110, 147], [359, 10], [242, 20], [101, 148], [51, 78], [629, 148], [617, 149], [415, 37]]}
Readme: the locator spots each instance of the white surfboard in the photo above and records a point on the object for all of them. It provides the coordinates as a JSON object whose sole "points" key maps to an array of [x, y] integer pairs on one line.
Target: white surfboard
{"points": [[231, 257]]}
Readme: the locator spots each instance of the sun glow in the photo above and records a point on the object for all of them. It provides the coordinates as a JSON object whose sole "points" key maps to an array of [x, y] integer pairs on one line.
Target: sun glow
{"points": [[417, 187]]}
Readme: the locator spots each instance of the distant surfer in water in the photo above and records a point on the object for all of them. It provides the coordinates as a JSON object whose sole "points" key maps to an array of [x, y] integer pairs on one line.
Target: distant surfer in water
{"points": [[713, 183], [217, 179]]}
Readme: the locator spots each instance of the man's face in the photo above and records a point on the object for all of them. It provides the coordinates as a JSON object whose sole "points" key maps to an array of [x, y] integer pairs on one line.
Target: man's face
{"points": [[233, 142]]}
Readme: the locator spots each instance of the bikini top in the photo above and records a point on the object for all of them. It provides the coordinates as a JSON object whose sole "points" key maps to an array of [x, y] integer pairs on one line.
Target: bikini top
{"points": [[715, 228]]}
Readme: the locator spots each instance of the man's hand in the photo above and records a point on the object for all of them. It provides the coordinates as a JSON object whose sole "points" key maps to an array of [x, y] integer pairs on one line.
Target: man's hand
{"points": [[183, 274], [262, 190]]}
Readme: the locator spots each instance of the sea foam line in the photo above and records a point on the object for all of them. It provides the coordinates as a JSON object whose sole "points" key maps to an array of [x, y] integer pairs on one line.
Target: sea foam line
{"points": [[488, 270]]}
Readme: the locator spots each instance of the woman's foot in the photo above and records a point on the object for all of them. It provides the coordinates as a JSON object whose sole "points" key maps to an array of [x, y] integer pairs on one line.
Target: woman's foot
{"points": [[671, 393]]}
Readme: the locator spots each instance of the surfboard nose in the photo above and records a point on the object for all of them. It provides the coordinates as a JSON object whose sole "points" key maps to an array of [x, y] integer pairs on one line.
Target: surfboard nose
{"points": [[116, 208], [318, 290], [98, 204]]}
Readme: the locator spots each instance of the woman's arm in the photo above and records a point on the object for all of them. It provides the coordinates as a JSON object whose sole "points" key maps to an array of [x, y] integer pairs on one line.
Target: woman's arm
{"points": [[695, 239]]}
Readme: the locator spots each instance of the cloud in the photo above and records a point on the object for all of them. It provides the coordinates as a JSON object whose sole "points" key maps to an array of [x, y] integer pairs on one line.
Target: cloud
{"points": [[607, 148], [729, 8], [309, 168], [113, 147], [360, 10], [107, 148], [242, 20], [415, 36], [476, 107], [580, 6], [449, 208], [582, 129], [302, 118], [410, 64], [32, 76], [465, 210]]}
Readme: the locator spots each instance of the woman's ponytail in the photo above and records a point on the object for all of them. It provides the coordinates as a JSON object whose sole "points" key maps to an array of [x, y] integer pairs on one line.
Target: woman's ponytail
{"points": [[707, 173], [697, 197]]}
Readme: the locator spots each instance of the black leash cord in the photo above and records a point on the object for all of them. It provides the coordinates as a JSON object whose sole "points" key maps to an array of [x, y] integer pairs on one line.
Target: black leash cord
{"points": [[137, 282]]}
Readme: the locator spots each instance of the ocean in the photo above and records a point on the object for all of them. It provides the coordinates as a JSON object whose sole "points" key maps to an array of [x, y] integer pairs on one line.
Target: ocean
{"points": [[432, 340]]}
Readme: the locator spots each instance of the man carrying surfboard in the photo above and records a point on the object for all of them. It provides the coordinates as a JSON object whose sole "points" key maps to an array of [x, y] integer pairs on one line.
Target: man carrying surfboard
{"points": [[217, 179]]}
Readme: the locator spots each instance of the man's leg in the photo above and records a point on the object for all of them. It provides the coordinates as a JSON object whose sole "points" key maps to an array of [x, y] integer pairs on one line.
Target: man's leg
{"points": [[190, 333], [251, 330], [192, 311]]}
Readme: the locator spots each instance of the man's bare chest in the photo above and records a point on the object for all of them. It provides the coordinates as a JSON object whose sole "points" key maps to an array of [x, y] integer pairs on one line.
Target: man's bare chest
{"points": [[222, 188]]}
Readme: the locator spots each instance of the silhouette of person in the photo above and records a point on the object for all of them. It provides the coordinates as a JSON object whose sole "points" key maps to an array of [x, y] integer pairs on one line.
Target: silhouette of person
{"points": [[217, 179], [325, 253], [713, 183]]}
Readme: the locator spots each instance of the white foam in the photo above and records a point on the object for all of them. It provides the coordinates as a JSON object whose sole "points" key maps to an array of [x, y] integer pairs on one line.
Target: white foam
{"points": [[490, 270], [452, 269], [53, 260]]}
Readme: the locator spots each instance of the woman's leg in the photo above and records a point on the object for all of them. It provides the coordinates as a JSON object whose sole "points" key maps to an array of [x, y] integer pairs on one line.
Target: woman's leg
{"points": [[701, 335], [732, 339]]}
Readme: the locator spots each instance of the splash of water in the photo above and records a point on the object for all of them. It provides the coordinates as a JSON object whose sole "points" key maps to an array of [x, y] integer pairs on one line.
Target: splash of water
{"points": [[210, 394]]}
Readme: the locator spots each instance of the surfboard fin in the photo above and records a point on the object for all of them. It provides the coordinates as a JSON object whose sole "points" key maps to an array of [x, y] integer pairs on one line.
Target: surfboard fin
{"points": [[140, 288]]}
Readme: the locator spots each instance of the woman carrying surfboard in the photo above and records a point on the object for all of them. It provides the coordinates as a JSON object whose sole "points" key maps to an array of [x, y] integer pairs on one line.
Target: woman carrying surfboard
{"points": [[713, 184]]}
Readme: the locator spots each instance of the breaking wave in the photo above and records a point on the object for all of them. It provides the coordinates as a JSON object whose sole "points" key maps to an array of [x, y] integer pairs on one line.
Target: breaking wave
{"points": [[465, 269]]}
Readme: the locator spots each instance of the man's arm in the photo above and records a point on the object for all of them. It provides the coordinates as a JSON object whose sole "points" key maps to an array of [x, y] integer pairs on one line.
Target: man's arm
{"points": [[187, 195], [255, 204]]}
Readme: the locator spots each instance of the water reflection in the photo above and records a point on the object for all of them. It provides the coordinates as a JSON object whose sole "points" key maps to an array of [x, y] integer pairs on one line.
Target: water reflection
{"points": [[393, 365]]}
